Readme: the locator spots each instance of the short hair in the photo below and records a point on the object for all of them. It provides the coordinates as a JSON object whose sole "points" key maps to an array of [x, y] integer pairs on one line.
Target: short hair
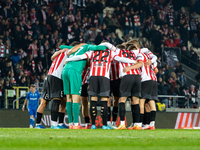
{"points": [[132, 47], [120, 46], [74, 43], [134, 42], [32, 85], [104, 41], [127, 45]]}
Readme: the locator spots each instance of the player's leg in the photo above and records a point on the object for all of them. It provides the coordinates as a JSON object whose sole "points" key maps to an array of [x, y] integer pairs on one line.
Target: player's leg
{"points": [[69, 110], [85, 112], [136, 113], [67, 91], [109, 112], [135, 98], [55, 112], [85, 109], [146, 120], [93, 110], [75, 79], [62, 114], [32, 120], [152, 114], [43, 104], [75, 107], [104, 111], [93, 92], [40, 111], [115, 110], [122, 111]]}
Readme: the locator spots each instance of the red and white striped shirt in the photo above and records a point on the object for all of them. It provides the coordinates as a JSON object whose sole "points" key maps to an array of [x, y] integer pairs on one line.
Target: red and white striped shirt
{"points": [[150, 55], [114, 72], [85, 74], [58, 65], [134, 55], [100, 62]]}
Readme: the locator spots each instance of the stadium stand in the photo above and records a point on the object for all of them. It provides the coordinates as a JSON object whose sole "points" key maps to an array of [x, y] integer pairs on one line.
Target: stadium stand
{"points": [[31, 31]]}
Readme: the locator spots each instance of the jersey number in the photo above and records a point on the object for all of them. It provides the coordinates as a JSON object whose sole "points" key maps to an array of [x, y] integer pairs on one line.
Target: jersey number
{"points": [[102, 57], [128, 55]]}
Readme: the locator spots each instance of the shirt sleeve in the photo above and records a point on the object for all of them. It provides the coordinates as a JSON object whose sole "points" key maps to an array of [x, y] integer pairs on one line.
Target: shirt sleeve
{"points": [[109, 46], [27, 96], [78, 57], [65, 46], [97, 47], [153, 57], [123, 59], [140, 57]]}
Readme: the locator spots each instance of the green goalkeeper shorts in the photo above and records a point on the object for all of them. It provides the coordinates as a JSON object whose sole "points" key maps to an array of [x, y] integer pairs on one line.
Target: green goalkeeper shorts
{"points": [[72, 81]]}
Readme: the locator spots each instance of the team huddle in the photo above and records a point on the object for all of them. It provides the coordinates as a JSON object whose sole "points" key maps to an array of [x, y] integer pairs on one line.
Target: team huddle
{"points": [[83, 71]]}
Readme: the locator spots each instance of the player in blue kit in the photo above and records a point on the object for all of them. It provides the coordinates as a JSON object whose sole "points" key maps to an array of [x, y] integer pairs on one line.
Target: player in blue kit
{"points": [[33, 96]]}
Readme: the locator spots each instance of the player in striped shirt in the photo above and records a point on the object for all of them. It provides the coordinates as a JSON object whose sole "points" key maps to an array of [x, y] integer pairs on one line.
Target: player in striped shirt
{"points": [[149, 84], [130, 85], [84, 95], [114, 89], [53, 89], [99, 84]]}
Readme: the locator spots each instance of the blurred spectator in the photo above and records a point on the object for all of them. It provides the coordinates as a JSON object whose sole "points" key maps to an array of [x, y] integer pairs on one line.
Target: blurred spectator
{"points": [[178, 68], [15, 58], [163, 88], [193, 95], [183, 79], [195, 41]]}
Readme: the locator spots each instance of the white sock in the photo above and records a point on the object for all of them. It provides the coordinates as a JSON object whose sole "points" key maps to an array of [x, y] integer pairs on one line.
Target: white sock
{"points": [[37, 124], [76, 124], [53, 123], [108, 122], [152, 123], [60, 124], [113, 122], [122, 122]]}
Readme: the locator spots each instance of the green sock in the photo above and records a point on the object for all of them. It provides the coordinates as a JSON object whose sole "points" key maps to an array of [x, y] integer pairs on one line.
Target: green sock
{"points": [[75, 112], [69, 111]]}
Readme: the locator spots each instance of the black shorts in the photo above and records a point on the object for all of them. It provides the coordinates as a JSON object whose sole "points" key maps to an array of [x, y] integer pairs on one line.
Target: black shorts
{"points": [[99, 86], [149, 90], [84, 91], [114, 87], [52, 88], [130, 86]]}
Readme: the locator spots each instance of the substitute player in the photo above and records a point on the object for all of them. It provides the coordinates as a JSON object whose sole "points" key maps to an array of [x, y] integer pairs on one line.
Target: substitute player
{"points": [[33, 97], [99, 84]]}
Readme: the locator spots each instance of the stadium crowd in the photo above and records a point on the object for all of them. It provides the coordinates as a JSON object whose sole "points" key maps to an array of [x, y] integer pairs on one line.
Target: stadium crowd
{"points": [[31, 31]]}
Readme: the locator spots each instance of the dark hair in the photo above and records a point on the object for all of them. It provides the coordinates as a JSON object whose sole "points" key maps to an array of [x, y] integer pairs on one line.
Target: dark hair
{"points": [[131, 47], [74, 43], [120, 46]]}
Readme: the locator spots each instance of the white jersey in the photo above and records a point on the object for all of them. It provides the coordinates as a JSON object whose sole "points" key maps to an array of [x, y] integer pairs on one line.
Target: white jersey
{"points": [[148, 72], [149, 54], [58, 65], [133, 55]]}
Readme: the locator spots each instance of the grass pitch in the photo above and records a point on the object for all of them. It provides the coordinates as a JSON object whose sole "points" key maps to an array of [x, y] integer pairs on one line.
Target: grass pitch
{"points": [[164, 139]]}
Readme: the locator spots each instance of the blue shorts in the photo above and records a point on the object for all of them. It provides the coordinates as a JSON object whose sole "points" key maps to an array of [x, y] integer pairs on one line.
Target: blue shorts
{"points": [[32, 112]]}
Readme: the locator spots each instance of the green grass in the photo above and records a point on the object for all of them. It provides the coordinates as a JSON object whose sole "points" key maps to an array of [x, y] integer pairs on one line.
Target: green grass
{"points": [[164, 139]]}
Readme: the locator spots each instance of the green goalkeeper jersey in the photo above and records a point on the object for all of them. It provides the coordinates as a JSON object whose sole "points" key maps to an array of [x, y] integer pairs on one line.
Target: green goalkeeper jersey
{"points": [[79, 65]]}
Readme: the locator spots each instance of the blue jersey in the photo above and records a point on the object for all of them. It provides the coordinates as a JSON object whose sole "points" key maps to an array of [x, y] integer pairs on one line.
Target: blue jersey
{"points": [[33, 99]]}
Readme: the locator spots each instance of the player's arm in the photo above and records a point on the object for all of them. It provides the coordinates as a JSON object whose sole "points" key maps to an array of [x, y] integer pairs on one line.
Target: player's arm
{"points": [[24, 104], [74, 49], [86, 55], [97, 47], [109, 46], [57, 53], [66, 47], [124, 60], [136, 66]]}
